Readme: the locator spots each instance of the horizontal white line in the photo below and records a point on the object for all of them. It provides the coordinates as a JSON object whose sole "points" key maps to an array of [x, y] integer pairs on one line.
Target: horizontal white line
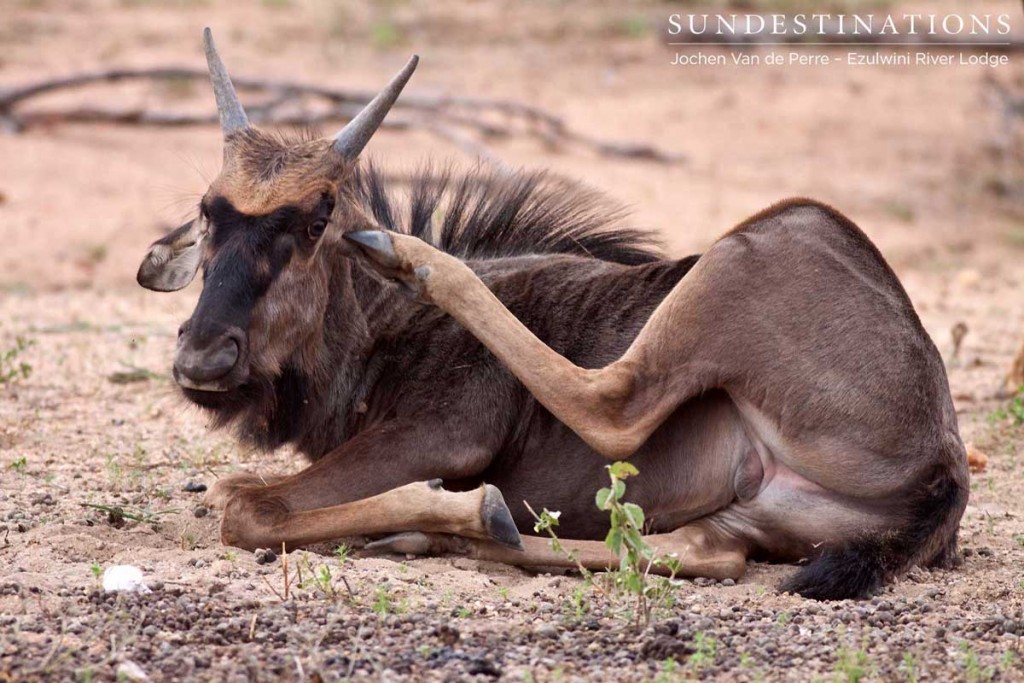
{"points": [[738, 43]]}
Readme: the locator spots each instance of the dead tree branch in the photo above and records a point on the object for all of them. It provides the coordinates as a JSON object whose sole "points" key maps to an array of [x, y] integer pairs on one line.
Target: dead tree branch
{"points": [[466, 122]]}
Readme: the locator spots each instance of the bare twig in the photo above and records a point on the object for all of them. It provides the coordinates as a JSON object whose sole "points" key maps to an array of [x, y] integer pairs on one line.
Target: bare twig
{"points": [[284, 568], [464, 121]]}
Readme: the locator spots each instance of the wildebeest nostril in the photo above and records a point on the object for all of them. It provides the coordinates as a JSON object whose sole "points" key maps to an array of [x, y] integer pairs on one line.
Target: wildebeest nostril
{"points": [[208, 363]]}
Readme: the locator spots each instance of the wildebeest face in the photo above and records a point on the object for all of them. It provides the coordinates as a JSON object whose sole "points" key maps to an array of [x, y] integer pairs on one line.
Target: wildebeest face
{"points": [[257, 239], [262, 230]]}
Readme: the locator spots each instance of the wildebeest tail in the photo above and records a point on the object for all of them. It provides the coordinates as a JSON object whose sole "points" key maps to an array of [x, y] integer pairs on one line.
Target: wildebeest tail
{"points": [[928, 538]]}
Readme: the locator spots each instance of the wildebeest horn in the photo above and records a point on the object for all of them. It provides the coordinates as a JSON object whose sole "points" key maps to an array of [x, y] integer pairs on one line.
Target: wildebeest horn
{"points": [[232, 116], [353, 137]]}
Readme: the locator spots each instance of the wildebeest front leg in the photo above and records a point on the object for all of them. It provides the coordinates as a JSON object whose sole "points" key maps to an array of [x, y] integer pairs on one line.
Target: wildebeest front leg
{"points": [[386, 457], [615, 408], [422, 506], [227, 486]]}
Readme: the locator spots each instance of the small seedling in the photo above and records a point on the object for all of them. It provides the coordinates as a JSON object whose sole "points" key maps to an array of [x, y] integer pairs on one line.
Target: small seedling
{"points": [[12, 369], [973, 671], [668, 672], [383, 603], [117, 513], [703, 655], [909, 667], [852, 666], [96, 569], [20, 465]]}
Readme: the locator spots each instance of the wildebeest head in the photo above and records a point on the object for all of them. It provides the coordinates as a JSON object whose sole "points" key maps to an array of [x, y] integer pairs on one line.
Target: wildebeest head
{"points": [[274, 207]]}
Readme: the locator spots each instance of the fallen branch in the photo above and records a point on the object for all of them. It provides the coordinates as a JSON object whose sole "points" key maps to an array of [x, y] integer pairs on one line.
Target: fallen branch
{"points": [[467, 122]]}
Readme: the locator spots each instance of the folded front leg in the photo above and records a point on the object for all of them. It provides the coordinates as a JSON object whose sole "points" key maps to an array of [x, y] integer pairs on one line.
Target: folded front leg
{"points": [[252, 521]]}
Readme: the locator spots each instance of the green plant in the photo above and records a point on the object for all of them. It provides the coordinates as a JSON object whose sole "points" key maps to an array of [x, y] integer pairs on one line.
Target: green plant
{"points": [[11, 368], [625, 540], [385, 34], [96, 569], [669, 667], [704, 649], [116, 514], [973, 672], [383, 603], [465, 612], [909, 667], [851, 666], [578, 605], [633, 27], [341, 554], [1016, 407], [1013, 411], [1009, 660], [19, 465]]}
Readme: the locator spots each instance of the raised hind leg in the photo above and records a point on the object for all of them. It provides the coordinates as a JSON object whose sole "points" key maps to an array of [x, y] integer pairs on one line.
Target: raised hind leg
{"points": [[698, 551], [614, 409]]}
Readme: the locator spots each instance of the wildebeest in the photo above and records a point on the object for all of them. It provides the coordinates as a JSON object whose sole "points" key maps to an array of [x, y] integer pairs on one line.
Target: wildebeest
{"points": [[778, 393]]}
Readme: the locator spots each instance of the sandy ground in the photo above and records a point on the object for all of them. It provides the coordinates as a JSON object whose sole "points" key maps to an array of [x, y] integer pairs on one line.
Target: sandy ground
{"points": [[907, 153]]}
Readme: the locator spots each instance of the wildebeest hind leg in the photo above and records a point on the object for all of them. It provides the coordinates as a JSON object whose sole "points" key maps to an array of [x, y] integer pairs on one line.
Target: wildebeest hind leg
{"points": [[698, 552], [254, 521], [615, 408]]}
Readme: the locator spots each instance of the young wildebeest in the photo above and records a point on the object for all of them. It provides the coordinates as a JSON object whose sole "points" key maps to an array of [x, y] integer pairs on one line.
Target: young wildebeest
{"points": [[778, 394]]}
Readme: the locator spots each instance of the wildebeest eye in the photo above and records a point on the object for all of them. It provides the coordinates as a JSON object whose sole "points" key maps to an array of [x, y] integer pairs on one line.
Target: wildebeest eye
{"points": [[321, 218], [316, 228]]}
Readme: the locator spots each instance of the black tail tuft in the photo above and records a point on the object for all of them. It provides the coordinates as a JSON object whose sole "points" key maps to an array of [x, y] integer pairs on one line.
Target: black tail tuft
{"points": [[859, 568], [853, 572]]}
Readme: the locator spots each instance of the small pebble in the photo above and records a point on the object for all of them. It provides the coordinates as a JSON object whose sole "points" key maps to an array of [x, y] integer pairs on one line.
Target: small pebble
{"points": [[265, 556], [193, 487], [201, 511], [547, 631]]}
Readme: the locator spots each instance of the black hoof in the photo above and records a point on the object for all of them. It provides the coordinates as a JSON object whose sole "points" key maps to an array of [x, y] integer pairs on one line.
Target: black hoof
{"points": [[376, 244], [498, 520]]}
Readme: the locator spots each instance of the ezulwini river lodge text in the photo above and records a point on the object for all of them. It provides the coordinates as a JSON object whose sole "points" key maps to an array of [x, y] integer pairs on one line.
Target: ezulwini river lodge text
{"points": [[799, 58]]}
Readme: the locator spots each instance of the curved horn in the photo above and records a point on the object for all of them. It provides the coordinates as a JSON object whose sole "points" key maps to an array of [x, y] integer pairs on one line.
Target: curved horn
{"points": [[232, 116], [353, 137]]}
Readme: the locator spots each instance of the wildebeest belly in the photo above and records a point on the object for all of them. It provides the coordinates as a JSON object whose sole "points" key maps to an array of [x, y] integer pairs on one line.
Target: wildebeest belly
{"points": [[688, 469]]}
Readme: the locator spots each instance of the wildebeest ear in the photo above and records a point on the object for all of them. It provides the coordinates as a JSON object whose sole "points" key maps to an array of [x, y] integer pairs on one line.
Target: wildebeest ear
{"points": [[172, 261]]}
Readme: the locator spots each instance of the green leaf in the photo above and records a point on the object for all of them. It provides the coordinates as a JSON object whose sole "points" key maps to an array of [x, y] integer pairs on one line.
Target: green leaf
{"points": [[619, 489], [634, 539], [603, 499], [634, 515], [614, 540], [623, 469]]}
